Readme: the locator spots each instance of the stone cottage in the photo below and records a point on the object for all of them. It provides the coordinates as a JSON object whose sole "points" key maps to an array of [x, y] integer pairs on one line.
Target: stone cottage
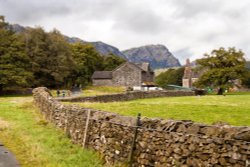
{"points": [[189, 76], [128, 74]]}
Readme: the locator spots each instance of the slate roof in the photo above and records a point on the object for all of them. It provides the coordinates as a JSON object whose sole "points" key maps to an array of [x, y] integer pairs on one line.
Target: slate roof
{"points": [[102, 75]]}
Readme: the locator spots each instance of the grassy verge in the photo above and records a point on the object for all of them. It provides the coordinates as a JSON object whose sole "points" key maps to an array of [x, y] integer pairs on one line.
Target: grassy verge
{"points": [[36, 142], [233, 109]]}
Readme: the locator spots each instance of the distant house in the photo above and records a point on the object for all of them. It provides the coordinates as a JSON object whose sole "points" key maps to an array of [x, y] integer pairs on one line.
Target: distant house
{"points": [[190, 76], [128, 74]]}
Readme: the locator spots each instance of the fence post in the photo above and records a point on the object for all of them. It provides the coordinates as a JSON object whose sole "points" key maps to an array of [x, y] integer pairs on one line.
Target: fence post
{"points": [[86, 129], [138, 124]]}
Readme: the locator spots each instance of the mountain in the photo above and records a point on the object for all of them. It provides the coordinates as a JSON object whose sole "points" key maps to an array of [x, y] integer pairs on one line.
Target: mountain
{"points": [[157, 55], [16, 28], [105, 49], [73, 39]]}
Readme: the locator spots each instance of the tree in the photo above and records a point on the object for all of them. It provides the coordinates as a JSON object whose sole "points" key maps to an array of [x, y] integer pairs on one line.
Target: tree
{"points": [[50, 56], [87, 60], [14, 63], [246, 77], [112, 61], [221, 68], [171, 76]]}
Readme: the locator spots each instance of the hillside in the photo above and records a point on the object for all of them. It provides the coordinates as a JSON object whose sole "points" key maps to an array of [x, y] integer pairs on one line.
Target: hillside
{"points": [[157, 55], [105, 49]]}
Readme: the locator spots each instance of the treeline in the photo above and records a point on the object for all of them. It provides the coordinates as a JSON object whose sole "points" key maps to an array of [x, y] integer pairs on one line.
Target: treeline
{"points": [[37, 58], [170, 77], [174, 76]]}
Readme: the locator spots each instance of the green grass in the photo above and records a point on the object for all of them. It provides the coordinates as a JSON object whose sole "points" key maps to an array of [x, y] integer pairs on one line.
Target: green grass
{"points": [[233, 109], [102, 90], [36, 142], [96, 90]]}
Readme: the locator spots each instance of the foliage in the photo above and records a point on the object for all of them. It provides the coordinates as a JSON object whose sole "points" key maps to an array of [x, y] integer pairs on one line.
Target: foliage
{"points": [[34, 141], [14, 63], [221, 68], [37, 58], [234, 108], [111, 61], [246, 77], [171, 76], [50, 56], [87, 60]]}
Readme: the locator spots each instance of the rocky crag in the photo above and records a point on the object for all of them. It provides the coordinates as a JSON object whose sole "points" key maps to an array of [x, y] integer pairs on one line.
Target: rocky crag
{"points": [[157, 55]]}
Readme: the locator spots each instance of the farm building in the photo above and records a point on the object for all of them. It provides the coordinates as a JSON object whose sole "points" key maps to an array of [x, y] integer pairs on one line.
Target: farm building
{"points": [[128, 74]]}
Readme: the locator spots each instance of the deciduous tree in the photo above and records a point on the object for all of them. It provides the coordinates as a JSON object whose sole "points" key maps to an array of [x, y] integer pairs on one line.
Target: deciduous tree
{"points": [[14, 63], [170, 77], [221, 68]]}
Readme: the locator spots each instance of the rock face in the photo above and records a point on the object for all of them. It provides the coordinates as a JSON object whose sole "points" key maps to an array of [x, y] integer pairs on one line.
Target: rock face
{"points": [[73, 39], [16, 28], [157, 55], [105, 49]]}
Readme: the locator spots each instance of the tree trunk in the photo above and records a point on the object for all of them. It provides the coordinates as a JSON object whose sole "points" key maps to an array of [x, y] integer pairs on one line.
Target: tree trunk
{"points": [[220, 91], [1, 89]]}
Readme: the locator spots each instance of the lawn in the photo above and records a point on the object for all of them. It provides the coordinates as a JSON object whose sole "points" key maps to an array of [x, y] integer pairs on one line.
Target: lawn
{"points": [[34, 141], [102, 90], [233, 109], [95, 90]]}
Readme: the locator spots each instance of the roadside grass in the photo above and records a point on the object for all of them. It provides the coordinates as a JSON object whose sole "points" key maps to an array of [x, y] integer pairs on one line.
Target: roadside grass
{"points": [[35, 142], [233, 109]]}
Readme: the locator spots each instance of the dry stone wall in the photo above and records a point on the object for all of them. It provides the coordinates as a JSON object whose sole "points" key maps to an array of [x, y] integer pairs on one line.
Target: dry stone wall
{"points": [[128, 96], [159, 143]]}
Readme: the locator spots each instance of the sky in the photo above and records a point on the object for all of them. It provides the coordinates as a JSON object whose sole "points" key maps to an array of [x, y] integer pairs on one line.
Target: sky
{"points": [[188, 28]]}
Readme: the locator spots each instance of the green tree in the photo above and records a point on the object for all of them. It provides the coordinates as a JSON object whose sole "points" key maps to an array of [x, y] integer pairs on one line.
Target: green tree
{"points": [[246, 77], [87, 60], [14, 63], [112, 61], [221, 68], [170, 77], [50, 56]]}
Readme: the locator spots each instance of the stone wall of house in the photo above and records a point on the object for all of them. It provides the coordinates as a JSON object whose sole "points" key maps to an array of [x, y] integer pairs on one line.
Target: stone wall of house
{"points": [[102, 82], [127, 75], [147, 76], [159, 143], [186, 83], [128, 96]]}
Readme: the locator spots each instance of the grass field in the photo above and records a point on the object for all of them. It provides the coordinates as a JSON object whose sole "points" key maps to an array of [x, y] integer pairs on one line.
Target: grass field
{"points": [[102, 90], [233, 109], [36, 142], [96, 90]]}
